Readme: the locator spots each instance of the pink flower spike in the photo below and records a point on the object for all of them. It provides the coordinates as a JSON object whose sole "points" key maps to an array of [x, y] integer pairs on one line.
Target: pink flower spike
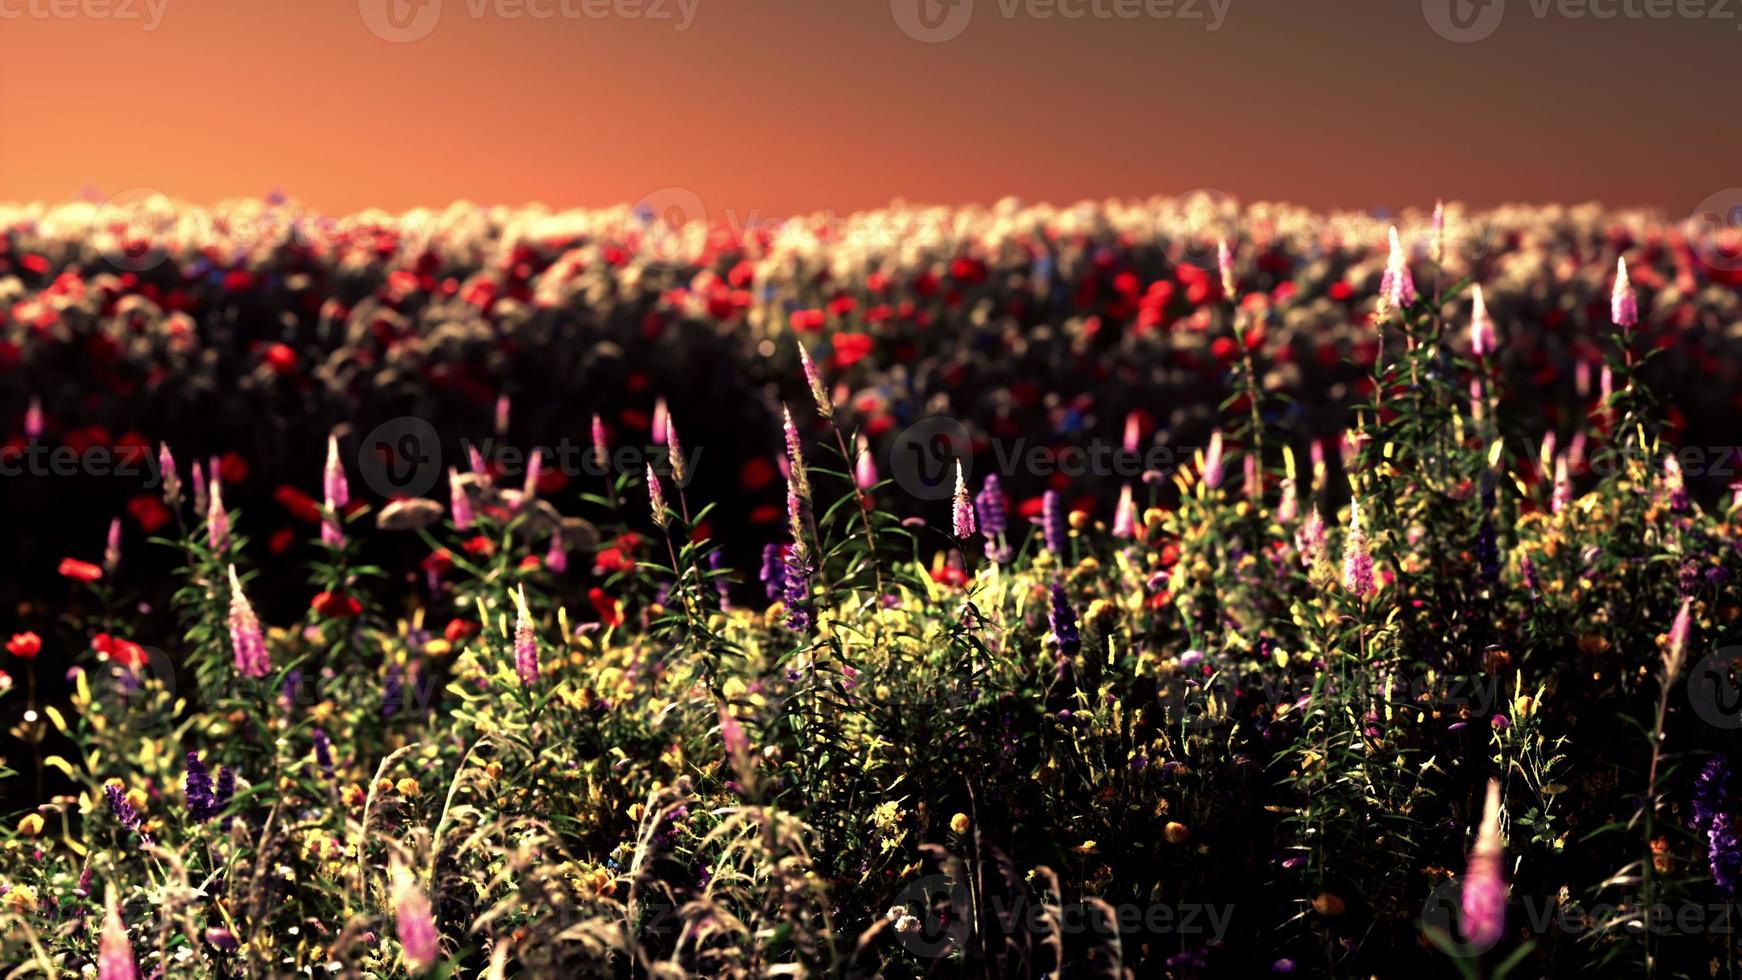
{"points": [[1482, 340], [864, 467], [337, 493], [601, 446], [963, 511], [459, 504], [1212, 468], [1482, 907], [1125, 516], [33, 419], [114, 952], [246, 637], [1623, 304]]}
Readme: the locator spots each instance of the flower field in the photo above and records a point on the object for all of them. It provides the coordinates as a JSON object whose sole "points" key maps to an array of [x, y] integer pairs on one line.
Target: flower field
{"points": [[1163, 588]]}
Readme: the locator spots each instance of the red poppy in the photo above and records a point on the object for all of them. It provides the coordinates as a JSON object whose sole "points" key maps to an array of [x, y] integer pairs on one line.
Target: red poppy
{"points": [[281, 541], [24, 646], [610, 610], [124, 652], [301, 505], [479, 545], [461, 629], [149, 512], [280, 358], [82, 571], [851, 348], [336, 605]]}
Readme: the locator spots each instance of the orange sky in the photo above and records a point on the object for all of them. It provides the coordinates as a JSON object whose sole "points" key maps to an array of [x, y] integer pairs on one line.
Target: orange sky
{"points": [[784, 105]]}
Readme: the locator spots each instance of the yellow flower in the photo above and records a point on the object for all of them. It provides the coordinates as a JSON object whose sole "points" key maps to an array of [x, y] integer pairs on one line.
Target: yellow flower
{"points": [[31, 825], [1176, 832], [407, 787], [1086, 847], [959, 823], [21, 899]]}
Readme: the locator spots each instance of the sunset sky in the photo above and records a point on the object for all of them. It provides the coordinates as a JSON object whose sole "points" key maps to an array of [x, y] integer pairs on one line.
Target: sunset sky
{"points": [[789, 105]]}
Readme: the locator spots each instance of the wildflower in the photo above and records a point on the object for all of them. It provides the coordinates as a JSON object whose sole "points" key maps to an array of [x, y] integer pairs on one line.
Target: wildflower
{"points": [[1357, 561], [33, 419], [525, 641], [1225, 265], [1133, 440], [1483, 905], [795, 454], [963, 510], [1675, 484], [226, 792], [773, 576], [797, 586], [1563, 486], [1482, 342], [217, 519], [337, 493], [246, 637], [1176, 833], [601, 446], [1677, 647], [1527, 569], [414, 921], [502, 410], [1488, 550], [323, 751], [1052, 523], [1125, 515], [114, 952], [112, 548], [458, 502], [864, 467], [661, 418], [24, 646], [992, 518], [1212, 465], [1063, 620], [197, 788], [30, 825], [825, 406], [534, 471], [166, 472], [1623, 305], [1288, 507], [1713, 819], [656, 498], [123, 809], [200, 495], [1397, 287], [609, 610], [557, 557], [959, 823], [79, 571], [336, 605]]}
